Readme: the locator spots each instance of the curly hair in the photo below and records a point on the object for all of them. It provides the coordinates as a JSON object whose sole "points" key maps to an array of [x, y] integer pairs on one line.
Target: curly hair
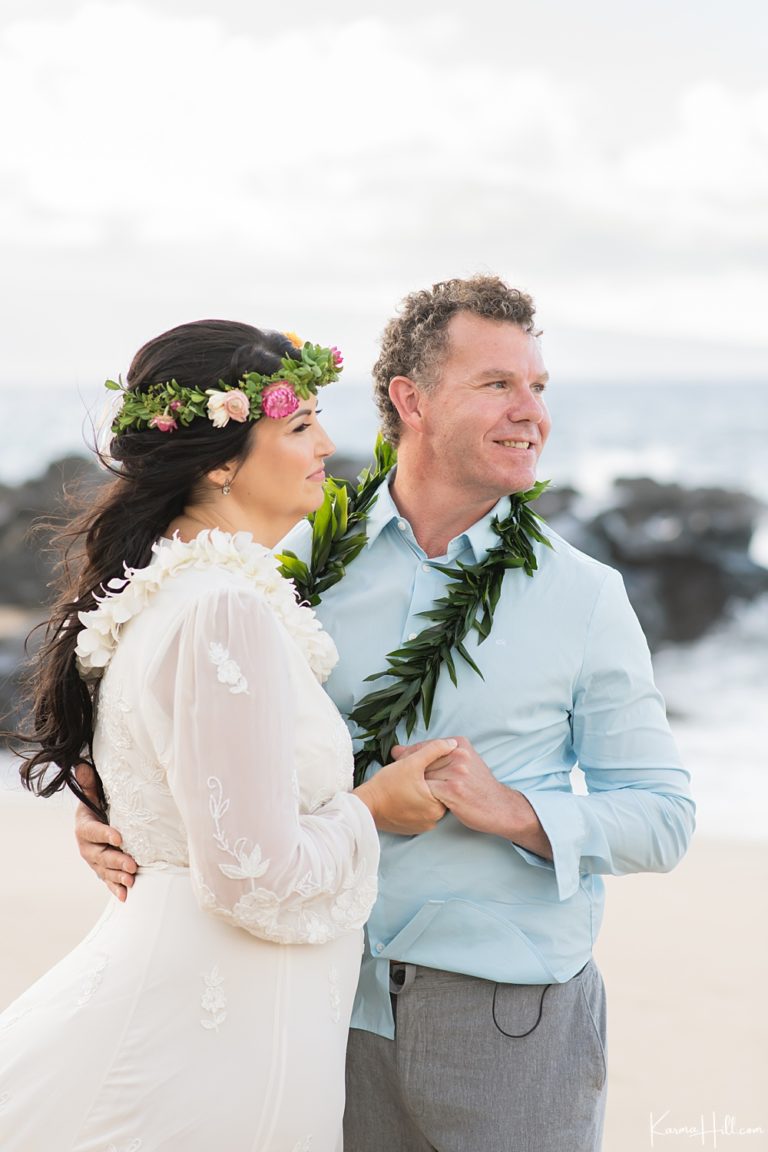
{"points": [[414, 342]]}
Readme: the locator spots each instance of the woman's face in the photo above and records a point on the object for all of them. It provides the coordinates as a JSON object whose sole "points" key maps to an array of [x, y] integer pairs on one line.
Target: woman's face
{"points": [[281, 478]]}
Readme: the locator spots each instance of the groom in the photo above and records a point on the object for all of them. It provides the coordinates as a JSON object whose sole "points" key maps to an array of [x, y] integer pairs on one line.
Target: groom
{"points": [[480, 1017]]}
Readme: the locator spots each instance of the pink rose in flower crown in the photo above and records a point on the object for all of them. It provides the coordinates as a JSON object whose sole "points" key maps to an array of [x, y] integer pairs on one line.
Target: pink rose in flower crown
{"points": [[226, 406], [337, 357], [237, 405], [279, 400], [164, 422]]}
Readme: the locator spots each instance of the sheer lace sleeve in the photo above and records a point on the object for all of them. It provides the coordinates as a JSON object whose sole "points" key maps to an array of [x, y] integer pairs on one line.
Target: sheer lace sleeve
{"points": [[228, 687]]}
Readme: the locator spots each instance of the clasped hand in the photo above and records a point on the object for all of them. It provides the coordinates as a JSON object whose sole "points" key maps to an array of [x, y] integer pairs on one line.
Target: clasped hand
{"points": [[463, 782], [398, 795]]}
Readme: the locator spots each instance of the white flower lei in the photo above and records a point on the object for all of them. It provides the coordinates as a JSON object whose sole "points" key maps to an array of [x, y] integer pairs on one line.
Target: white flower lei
{"points": [[125, 598]]}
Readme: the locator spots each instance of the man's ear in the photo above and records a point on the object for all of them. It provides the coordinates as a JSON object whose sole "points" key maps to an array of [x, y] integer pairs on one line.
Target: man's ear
{"points": [[408, 399]]}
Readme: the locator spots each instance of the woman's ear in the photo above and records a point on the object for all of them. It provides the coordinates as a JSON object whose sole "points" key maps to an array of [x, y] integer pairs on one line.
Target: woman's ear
{"points": [[221, 477]]}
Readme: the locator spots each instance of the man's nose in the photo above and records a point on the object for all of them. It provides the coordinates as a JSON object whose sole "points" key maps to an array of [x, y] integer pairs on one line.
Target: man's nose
{"points": [[525, 404]]}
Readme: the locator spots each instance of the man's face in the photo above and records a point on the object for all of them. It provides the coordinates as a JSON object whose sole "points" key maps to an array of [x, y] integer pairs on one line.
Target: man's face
{"points": [[485, 423]]}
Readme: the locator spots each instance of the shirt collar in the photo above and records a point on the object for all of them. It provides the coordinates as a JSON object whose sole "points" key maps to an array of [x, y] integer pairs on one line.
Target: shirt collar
{"points": [[480, 536], [384, 511]]}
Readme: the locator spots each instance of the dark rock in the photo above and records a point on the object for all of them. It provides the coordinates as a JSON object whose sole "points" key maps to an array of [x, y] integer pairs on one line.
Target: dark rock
{"points": [[650, 519], [26, 563], [556, 501], [17, 642], [684, 553], [346, 467]]}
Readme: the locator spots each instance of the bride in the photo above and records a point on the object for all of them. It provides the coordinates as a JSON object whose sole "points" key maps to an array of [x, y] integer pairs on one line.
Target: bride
{"points": [[211, 1009]]}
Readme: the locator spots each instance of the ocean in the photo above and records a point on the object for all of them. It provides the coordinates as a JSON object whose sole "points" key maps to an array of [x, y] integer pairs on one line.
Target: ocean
{"points": [[696, 434]]}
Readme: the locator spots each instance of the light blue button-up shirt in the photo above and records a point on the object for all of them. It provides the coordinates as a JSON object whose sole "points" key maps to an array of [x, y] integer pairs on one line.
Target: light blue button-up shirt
{"points": [[566, 679]]}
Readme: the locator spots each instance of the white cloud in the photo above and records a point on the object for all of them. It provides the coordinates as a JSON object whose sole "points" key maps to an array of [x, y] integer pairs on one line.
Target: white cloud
{"points": [[180, 128], [728, 310], [349, 157], [716, 150]]}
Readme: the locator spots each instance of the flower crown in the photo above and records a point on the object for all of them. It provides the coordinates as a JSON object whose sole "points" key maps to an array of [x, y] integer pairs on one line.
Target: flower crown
{"points": [[166, 406]]}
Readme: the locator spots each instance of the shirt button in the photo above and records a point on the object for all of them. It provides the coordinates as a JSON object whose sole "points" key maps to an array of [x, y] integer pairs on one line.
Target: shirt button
{"points": [[426, 568], [379, 947], [401, 525]]}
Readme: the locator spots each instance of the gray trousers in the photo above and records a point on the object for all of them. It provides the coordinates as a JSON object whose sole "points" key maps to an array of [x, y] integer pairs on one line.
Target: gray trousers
{"points": [[480, 1067]]}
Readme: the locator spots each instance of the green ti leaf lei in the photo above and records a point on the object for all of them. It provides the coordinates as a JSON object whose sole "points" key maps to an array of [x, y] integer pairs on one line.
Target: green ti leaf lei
{"points": [[338, 528], [471, 596]]}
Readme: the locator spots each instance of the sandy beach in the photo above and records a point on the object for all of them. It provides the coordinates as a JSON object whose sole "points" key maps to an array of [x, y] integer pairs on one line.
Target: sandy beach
{"points": [[683, 958]]}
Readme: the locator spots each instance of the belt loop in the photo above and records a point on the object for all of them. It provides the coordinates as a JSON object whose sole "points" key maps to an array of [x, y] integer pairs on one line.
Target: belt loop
{"points": [[401, 976]]}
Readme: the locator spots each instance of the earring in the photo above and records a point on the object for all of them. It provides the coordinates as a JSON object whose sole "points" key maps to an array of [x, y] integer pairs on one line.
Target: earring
{"points": [[226, 489]]}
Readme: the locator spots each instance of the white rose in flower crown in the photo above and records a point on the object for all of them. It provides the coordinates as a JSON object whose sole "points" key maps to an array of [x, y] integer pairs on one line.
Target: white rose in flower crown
{"points": [[226, 406]]}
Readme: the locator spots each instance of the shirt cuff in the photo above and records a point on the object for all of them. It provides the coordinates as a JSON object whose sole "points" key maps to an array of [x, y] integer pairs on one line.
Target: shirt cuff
{"points": [[560, 816]]}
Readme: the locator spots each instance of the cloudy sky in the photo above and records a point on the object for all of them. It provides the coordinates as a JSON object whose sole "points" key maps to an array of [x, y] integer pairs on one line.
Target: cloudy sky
{"points": [[304, 165]]}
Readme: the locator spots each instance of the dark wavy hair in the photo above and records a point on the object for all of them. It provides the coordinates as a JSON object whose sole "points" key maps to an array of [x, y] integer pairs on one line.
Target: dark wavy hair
{"points": [[154, 474], [414, 342]]}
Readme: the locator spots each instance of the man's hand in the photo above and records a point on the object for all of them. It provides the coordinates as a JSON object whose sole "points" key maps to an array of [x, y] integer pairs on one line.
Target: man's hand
{"points": [[99, 844], [465, 784]]}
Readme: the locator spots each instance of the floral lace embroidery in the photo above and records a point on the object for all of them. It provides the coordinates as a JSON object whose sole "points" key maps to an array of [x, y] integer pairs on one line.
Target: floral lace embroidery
{"points": [[352, 906], [213, 1001], [92, 980], [227, 671], [335, 995], [4, 1098], [249, 864], [303, 1145], [307, 887], [291, 918], [136, 788], [206, 897]]}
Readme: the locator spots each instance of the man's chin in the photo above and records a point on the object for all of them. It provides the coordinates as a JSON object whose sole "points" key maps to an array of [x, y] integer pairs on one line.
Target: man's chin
{"points": [[518, 483]]}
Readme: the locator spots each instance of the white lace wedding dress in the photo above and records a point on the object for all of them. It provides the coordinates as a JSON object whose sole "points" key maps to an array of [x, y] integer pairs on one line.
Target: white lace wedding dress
{"points": [[209, 1011]]}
